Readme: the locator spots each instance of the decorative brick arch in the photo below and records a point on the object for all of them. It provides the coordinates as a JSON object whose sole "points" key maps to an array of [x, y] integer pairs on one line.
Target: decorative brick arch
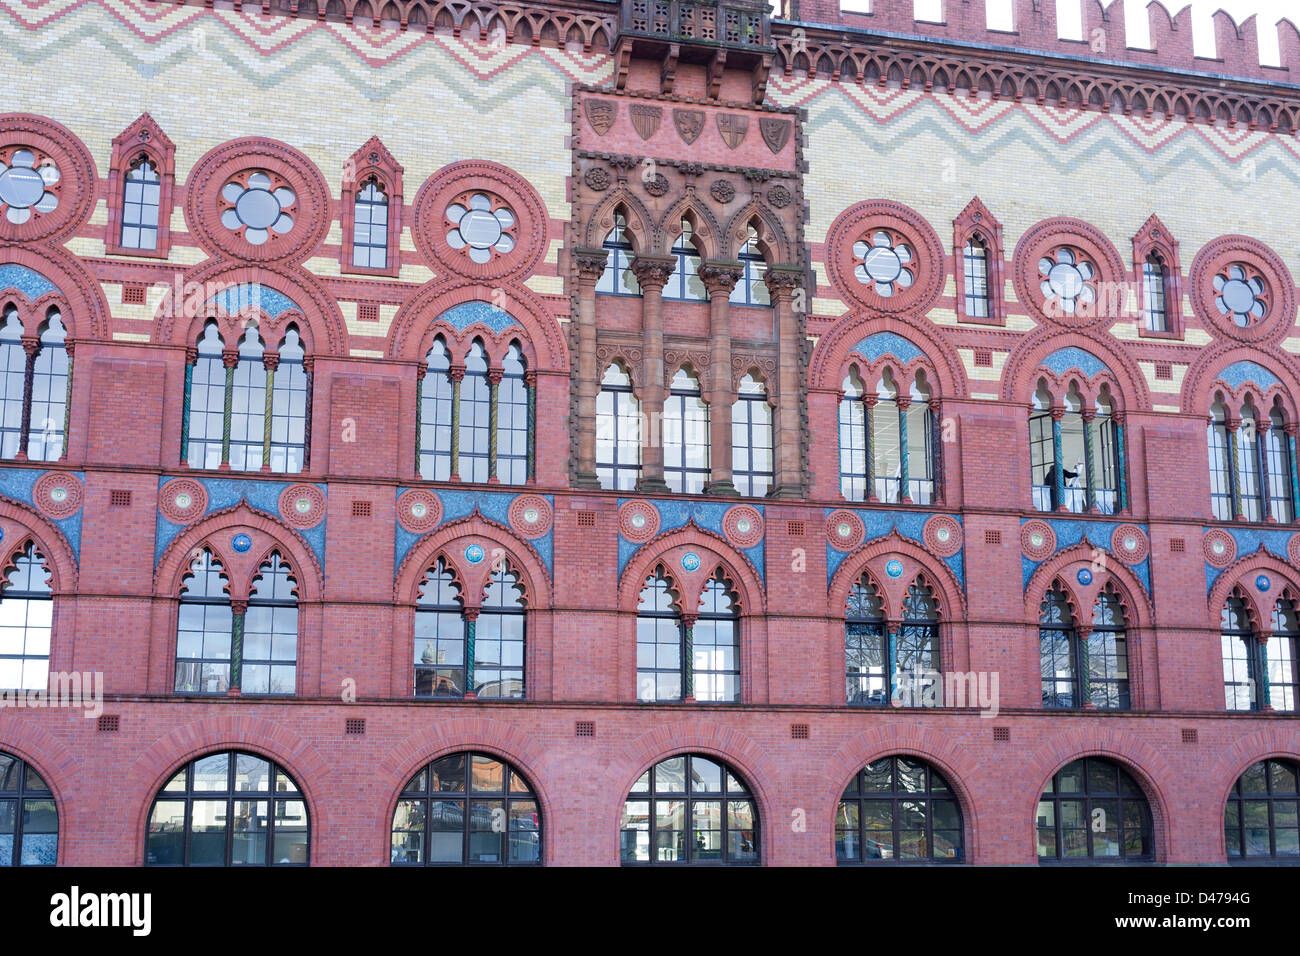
{"points": [[1109, 280], [1241, 576], [79, 298], [958, 765], [640, 224], [415, 324], [21, 525], [1155, 239], [858, 223], [1025, 367], [456, 734], [709, 239], [371, 161], [1151, 771], [836, 349], [714, 553], [77, 186], [697, 735], [771, 234], [256, 735], [144, 139], [871, 558], [235, 294], [58, 766], [1261, 262], [627, 357], [449, 542], [268, 534], [1275, 742], [1205, 377], [1138, 611]]}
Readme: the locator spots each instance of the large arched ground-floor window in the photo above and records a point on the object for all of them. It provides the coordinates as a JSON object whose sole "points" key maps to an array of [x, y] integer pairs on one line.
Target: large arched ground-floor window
{"points": [[1261, 822], [467, 808], [898, 810], [689, 809], [1093, 811], [229, 809], [29, 819]]}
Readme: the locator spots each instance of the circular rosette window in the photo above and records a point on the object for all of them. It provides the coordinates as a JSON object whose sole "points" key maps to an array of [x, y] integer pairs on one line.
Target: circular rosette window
{"points": [[1240, 294], [258, 206], [1243, 290], [1069, 273], [29, 185], [47, 179], [482, 226], [259, 200], [884, 256], [480, 220]]}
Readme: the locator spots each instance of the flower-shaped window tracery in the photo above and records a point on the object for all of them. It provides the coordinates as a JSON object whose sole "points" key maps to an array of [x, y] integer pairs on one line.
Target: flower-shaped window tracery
{"points": [[1241, 294], [25, 186], [886, 263], [259, 207], [1067, 279], [481, 225]]}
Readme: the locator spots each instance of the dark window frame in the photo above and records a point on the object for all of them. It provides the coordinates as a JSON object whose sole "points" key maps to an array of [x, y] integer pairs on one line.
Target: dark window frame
{"points": [[896, 796], [1135, 794], [743, 794], [20, 794]]}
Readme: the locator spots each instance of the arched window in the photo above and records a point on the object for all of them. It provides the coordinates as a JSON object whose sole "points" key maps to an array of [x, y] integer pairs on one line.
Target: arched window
{"points": [[467, 808], [686, 435], [512, 419], [618, 431], [1154, 293], [435, 415], [659, 641], [141, 196], [1104, 664], [751, 439], [866, 645], [34, 419], [29, 818], [370, 227], [714, 643], [229, 407], [204, 627], [887, 449], [1260, 486], [1087, 437], [26, 622], [975, 261], [618, 277], [270, 636], [898, 810], [751, 289], [1094, 812], [482, 650], [1260, 820], [917, 648], [229, 809], [853, 439], [1056, 643], [475, 416], [685, 282], [689, 809], [1259, 671]]}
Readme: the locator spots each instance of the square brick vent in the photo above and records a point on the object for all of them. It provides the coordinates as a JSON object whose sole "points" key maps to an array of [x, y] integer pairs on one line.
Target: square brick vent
{"points": [[1178, 545], [795, 529], [1002, 733], [1164, 372], [584, 728], [119, 498], [354, 726], [109, 723], [586, 519], [798, 731], [1189, 735], [361, 509], [367, 312], [983, 358], [133, 295], [992, 537]]}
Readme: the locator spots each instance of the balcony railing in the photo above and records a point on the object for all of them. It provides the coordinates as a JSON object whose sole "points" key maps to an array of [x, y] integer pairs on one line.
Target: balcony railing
{"points": [[732, 24]]}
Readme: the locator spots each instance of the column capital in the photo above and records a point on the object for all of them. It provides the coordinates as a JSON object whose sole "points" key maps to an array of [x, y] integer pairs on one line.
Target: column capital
{"points": [[238, 607], [688, 620], [590, 262], [456, 373], [191, 356], [471, 614], [530, 377], [653, 271], [1057, 413], [782, 280], [271, 361], [230, 357], [720, 276], [494, 376]]}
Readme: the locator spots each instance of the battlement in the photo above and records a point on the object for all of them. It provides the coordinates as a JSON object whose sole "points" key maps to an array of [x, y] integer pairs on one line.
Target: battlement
{"points": [[1035, 28]]}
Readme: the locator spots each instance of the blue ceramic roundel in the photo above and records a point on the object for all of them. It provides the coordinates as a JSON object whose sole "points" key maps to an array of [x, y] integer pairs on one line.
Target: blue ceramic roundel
{"points": [[1084, 577], [1263, 583], [474, 554], [894, 569], [241, 543], [690, 561]]}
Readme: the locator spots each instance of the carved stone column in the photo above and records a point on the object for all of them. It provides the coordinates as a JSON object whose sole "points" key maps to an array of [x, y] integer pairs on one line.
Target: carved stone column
{"points": [[591, 266], [782, 283], [719, 279], [653, 272]]}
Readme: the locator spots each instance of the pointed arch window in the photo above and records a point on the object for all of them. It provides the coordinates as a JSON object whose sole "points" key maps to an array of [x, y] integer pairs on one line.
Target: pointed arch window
{"points": [[1261, 485], [685, 282], [498, 644], [753, 469], [853, 438], [481, 649], [1093, 811], [866, 645], [512, 420], [689, 809], [618, 431], [1259, 671], [713, 645], [618, 277], [439, 636], [898, 810], [269, 661], [29, 817], [887, 446], [141, 200], [370, 227], [36, 383], [660, 640], [205, 626], [475, 411], [751, 289], [436, 396], [917, 648], [686, 435], [26, 624], [248, 409], [1076, 459], [975, 269], [1083, 670], [1106, 648], [1260, 820], [1155, 293]]}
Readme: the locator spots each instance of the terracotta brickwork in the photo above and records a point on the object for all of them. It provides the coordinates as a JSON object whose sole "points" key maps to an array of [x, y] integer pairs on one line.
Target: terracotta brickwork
{"points": [[808, 140]]}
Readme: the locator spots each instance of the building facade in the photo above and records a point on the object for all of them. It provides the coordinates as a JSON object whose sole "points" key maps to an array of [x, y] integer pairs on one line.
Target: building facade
{"points": [[654, 431]]}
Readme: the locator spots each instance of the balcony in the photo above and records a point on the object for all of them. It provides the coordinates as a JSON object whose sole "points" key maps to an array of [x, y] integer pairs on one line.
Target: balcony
{"points": [[736, 24]]}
